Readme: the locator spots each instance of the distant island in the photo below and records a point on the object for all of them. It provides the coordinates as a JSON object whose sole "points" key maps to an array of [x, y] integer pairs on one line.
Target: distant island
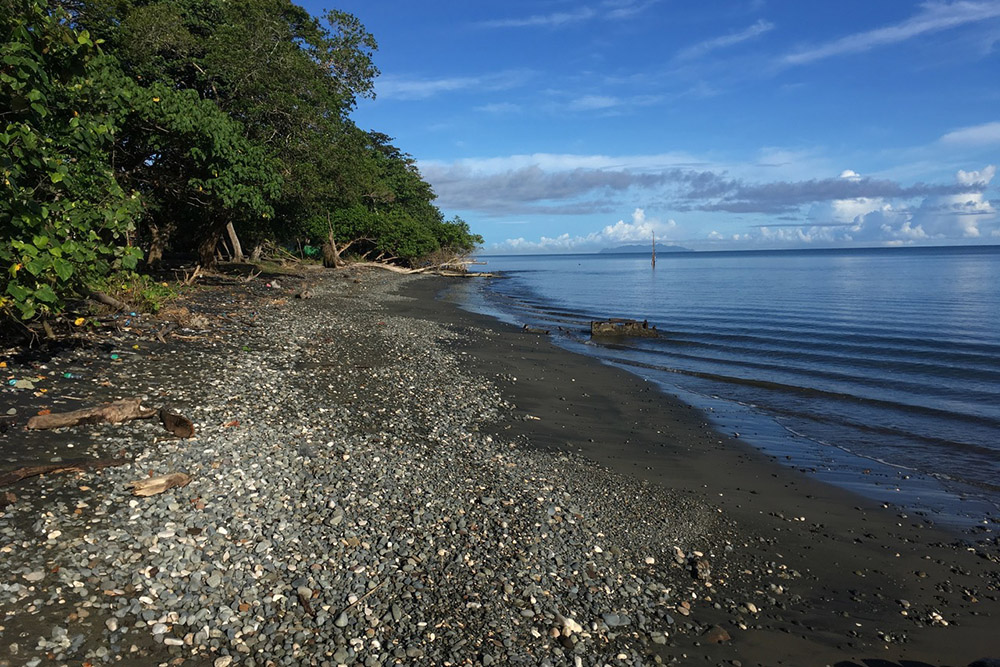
{"points": [[642, 249]]}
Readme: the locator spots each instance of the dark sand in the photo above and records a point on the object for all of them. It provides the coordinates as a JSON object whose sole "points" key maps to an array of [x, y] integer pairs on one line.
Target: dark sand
{"points": [[862, 565]]}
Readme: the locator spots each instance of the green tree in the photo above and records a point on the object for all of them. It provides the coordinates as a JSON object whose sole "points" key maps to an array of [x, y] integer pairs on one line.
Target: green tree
{"points": [[64, 220]]}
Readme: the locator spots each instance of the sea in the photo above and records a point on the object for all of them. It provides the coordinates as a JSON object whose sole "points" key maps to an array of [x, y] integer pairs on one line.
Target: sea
{"points": [[877, 370]]}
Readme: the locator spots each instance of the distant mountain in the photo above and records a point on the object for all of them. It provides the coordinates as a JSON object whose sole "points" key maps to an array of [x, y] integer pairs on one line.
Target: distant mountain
{"points": [[643, 249]]}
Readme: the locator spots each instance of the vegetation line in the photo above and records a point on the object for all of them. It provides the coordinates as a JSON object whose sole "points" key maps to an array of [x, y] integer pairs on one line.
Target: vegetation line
{"points": [[133, 130]]}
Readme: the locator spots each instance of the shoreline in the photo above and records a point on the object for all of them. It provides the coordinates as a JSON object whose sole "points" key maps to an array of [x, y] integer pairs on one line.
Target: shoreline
{"points": [[957, 505], [368, 490], [847, 532]]}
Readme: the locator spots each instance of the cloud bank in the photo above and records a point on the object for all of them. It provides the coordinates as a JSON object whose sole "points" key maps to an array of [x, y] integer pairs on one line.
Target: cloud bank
{"points": [[848, 208], [639, 229]]}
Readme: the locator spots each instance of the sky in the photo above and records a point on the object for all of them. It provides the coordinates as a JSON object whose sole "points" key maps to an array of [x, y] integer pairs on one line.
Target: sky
{"points": [[568, 126]]}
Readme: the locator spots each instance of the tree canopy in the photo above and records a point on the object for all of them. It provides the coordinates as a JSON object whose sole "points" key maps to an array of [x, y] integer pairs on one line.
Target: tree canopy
{"points": [[135, 128]]}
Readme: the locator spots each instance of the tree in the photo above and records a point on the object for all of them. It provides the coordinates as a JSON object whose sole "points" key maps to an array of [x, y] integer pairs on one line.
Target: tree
{"points": [[64, 219]]}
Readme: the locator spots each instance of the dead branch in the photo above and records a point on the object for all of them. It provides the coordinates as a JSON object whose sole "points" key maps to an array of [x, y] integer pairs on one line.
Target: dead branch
{"points": [[251, 276], [119, 411], [437, 269], [162, 333], [107, 300], [157, 485], [189, 280], [15, 476]]}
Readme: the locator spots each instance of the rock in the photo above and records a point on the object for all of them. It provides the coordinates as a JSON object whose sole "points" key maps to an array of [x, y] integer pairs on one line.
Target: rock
{"points": [[342, 620], [223, 661], [716, 635], [570, 627], [37, 575]]}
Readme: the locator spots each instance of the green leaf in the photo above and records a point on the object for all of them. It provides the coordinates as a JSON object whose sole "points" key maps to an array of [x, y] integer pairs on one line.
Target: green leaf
{"points": [[19, 292], [36, 266], [45, 294], [56, 176], [63, 269]]}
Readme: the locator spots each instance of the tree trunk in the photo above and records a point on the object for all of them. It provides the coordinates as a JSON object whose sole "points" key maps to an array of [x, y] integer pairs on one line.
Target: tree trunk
{"points": [[235, 242], [331, 254], [208, 245], [331, 258], [157, 243]]}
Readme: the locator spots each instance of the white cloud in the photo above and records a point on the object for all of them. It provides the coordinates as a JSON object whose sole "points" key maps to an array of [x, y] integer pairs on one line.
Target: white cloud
{"points": [[402, 88], [591, 102], [845, 210], [980, 178], [500, 108], [975, 135], [639, 229], [562, 162], [623, 9], [934, 17], [609, 9], [947, 216], [608, 103], [958, 215], [554, 20], [701, 48]]}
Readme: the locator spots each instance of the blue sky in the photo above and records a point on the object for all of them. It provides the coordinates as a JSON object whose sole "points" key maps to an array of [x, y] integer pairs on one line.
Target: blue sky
{"points": [[557, 126]]}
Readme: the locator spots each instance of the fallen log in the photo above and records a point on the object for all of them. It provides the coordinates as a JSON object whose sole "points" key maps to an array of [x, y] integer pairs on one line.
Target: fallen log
{"points": [[437, 270], [15, 476], [107, 300], [157, 485], [119, 411]]}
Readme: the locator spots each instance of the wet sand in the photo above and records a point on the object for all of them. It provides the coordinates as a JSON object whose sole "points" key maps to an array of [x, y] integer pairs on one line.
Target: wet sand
{"points": [[862, 565]]}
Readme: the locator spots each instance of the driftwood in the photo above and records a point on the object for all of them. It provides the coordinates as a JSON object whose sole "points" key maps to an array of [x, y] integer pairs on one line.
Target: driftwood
{"points": [[119, 411], [177, 424], [437, 269], [15, 476], [156, 485], [114, 413], [162, 334], [108, 300]]}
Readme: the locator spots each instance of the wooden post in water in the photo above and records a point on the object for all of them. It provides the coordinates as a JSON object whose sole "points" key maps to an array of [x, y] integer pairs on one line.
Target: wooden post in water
{"points": [[654, 250]]}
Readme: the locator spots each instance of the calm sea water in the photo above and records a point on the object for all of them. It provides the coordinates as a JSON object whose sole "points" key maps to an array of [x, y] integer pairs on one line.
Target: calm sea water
{"points": [[877, 369]]}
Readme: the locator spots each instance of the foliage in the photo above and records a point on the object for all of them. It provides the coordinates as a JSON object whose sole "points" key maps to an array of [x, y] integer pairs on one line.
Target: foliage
{"points": [[139, 127], [144, 292], [63, 217]]}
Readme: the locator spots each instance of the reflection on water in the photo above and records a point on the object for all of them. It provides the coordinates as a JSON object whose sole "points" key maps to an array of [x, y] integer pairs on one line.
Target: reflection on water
{"points": [[836, 359]]}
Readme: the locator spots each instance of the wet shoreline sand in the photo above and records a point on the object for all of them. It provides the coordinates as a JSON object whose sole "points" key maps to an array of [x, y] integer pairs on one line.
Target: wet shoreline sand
{"points": [[860, 557]]}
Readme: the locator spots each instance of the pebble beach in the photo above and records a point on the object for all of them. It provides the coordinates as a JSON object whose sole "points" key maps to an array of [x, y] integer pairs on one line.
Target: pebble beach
{"points": [[379, 478]]}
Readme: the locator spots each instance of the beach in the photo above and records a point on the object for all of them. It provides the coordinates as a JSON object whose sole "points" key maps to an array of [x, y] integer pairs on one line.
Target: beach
{"points": [[379, 477]]}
